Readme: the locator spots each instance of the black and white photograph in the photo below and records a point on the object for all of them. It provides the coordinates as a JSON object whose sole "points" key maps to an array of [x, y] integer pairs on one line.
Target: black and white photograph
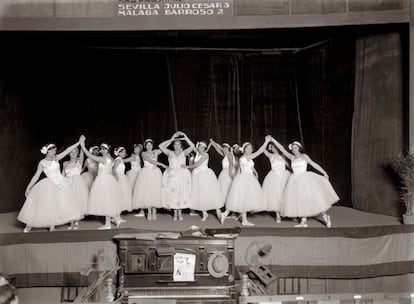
{"points": [[207, 151]]}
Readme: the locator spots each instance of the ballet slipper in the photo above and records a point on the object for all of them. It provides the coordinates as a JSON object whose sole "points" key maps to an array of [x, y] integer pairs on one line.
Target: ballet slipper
{"points": [[302, 224], [105, 227], [140, 214], [205, 215], [27, 229], [51, 228], [278, 218], [247, 223], [149, 216], [327, 219]]}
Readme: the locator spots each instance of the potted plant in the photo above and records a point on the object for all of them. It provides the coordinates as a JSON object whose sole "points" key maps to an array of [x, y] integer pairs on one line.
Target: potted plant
{"points": [[403, 166]]}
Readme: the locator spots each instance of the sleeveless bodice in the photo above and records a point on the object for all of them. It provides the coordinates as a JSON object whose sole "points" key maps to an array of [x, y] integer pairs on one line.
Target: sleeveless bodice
{"points": [[225, 163], [120, 169], [278, 164], [202, 166], [52, 170], [176, 161], [299, 165], [136, 163], [152, 157], [105, 168], [73, 169], [246, 166], [91, 165]]}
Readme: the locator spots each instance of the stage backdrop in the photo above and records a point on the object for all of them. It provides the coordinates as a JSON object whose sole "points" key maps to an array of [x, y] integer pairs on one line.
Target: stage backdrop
{"points": [[57, 91]]}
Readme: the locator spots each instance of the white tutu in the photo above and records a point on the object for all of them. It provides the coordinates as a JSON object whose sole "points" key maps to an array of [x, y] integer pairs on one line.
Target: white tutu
{"points": [[50, 204], [88, 177], [273, 188], [205, 191], [225, 181], [245, 194], [176, 188], [81, 192], [133, 175], [147, 190], [126, 193], [104, 196], [307, 194]]}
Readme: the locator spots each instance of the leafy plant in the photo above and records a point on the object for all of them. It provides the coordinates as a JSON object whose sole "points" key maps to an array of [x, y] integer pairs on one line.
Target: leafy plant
{"points": [[403, 166]]}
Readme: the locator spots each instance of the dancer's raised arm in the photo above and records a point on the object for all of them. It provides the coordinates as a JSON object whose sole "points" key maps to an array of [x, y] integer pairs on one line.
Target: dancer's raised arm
{"points": [[315, 165], [66, 151], [281, 148], [189, 142], [98, 159], [258, 151], [163, 146], [217, 147]]}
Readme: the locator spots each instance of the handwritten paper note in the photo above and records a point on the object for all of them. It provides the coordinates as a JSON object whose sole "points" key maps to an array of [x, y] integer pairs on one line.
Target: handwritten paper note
{"points": [[184, 267]]}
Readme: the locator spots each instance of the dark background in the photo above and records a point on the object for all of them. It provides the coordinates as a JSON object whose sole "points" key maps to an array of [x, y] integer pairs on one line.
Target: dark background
{"points": [[56, 86]]}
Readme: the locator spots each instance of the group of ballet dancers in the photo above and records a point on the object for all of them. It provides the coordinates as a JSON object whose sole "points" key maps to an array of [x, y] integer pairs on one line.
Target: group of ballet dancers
{"points": [[105, 190]]}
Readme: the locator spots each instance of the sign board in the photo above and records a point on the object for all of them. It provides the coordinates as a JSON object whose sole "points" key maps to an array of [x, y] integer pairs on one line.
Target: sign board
{"points": [[143, 8]]}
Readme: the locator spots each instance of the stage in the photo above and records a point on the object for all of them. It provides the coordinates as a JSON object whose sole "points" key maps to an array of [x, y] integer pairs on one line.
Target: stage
{"points": [[362, 251]]}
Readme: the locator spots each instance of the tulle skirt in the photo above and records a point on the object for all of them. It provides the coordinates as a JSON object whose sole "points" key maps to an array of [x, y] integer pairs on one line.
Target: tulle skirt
{"points": [[307, 194], [205, 191], [273, 188], [88, 177], [49, 204], [176, 188], [105, 196], [245, 194], [81, 192], [126, 193], [132, 176], [147, 190], [225, 181]]}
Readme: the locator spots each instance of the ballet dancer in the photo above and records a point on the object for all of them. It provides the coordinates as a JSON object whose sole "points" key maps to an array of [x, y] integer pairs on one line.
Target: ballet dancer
{"points": [[51, 201], [135, 160], [123, 182], [92, 166], [275, 181], [176, 180], [228, 171], [105, 191], [245, 194], [72, 171], [205, 189], [307, 194], [147, 190]]}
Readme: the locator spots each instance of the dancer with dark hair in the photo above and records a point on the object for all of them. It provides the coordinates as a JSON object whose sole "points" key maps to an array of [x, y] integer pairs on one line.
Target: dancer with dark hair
{"points": [[205, 189], [176, 180], [246, 193], [275, 181], [307, 194], [227, 173], [135, 160], [92, 166], [72, 170], [123, 182], [147, 189], [51, 201], [105, 191]]}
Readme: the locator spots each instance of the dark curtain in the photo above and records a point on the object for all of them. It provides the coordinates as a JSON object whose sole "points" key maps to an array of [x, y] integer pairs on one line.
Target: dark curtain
{"points": [[378, 122], [123, 96], [325, 109]]}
